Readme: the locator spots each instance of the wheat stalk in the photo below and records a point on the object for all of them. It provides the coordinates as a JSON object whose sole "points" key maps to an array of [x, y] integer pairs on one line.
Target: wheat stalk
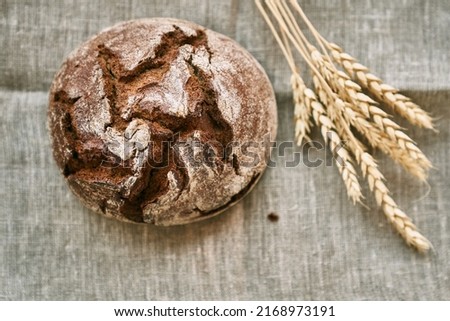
{"points": [[401, 147], [341, 108]]}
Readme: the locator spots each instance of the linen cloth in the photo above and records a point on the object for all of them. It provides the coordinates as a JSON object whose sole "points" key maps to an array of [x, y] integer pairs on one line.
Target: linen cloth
{"points": [[322, 247]]}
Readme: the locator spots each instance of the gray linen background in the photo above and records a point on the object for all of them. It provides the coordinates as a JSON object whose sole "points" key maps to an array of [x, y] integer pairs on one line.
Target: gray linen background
{"points": [[51, 248]]}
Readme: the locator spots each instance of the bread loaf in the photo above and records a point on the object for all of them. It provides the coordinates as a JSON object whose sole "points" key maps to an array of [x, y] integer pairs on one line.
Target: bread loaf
{"points": [[161, 121]]}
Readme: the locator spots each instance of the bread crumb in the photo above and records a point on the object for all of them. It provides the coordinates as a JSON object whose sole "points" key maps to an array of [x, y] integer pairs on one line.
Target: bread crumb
{"points": [[273, 217]]}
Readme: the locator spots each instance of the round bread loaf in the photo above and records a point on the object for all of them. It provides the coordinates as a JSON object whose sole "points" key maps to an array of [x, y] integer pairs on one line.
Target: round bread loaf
{"points": [[161, 121]]}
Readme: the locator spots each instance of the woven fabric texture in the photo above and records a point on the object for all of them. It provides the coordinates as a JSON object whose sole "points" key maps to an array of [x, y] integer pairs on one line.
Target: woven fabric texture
{"points": [[322, 247]]}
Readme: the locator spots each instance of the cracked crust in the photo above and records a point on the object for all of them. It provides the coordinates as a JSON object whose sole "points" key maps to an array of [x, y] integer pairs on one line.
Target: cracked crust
{"points": [[148, 119]]}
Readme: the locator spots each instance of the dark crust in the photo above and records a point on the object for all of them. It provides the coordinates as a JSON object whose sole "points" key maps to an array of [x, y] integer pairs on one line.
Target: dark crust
{"points": [[89, 159]]}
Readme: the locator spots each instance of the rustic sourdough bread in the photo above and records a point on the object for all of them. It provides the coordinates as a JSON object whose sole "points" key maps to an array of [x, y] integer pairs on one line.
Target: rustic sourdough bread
{"points": [[161, 121]]}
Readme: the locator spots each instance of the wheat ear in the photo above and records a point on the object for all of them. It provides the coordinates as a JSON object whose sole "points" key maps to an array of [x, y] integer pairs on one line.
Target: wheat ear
{"points": [[302, 111], [343, 159], [386, 93], [401, 222]]}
